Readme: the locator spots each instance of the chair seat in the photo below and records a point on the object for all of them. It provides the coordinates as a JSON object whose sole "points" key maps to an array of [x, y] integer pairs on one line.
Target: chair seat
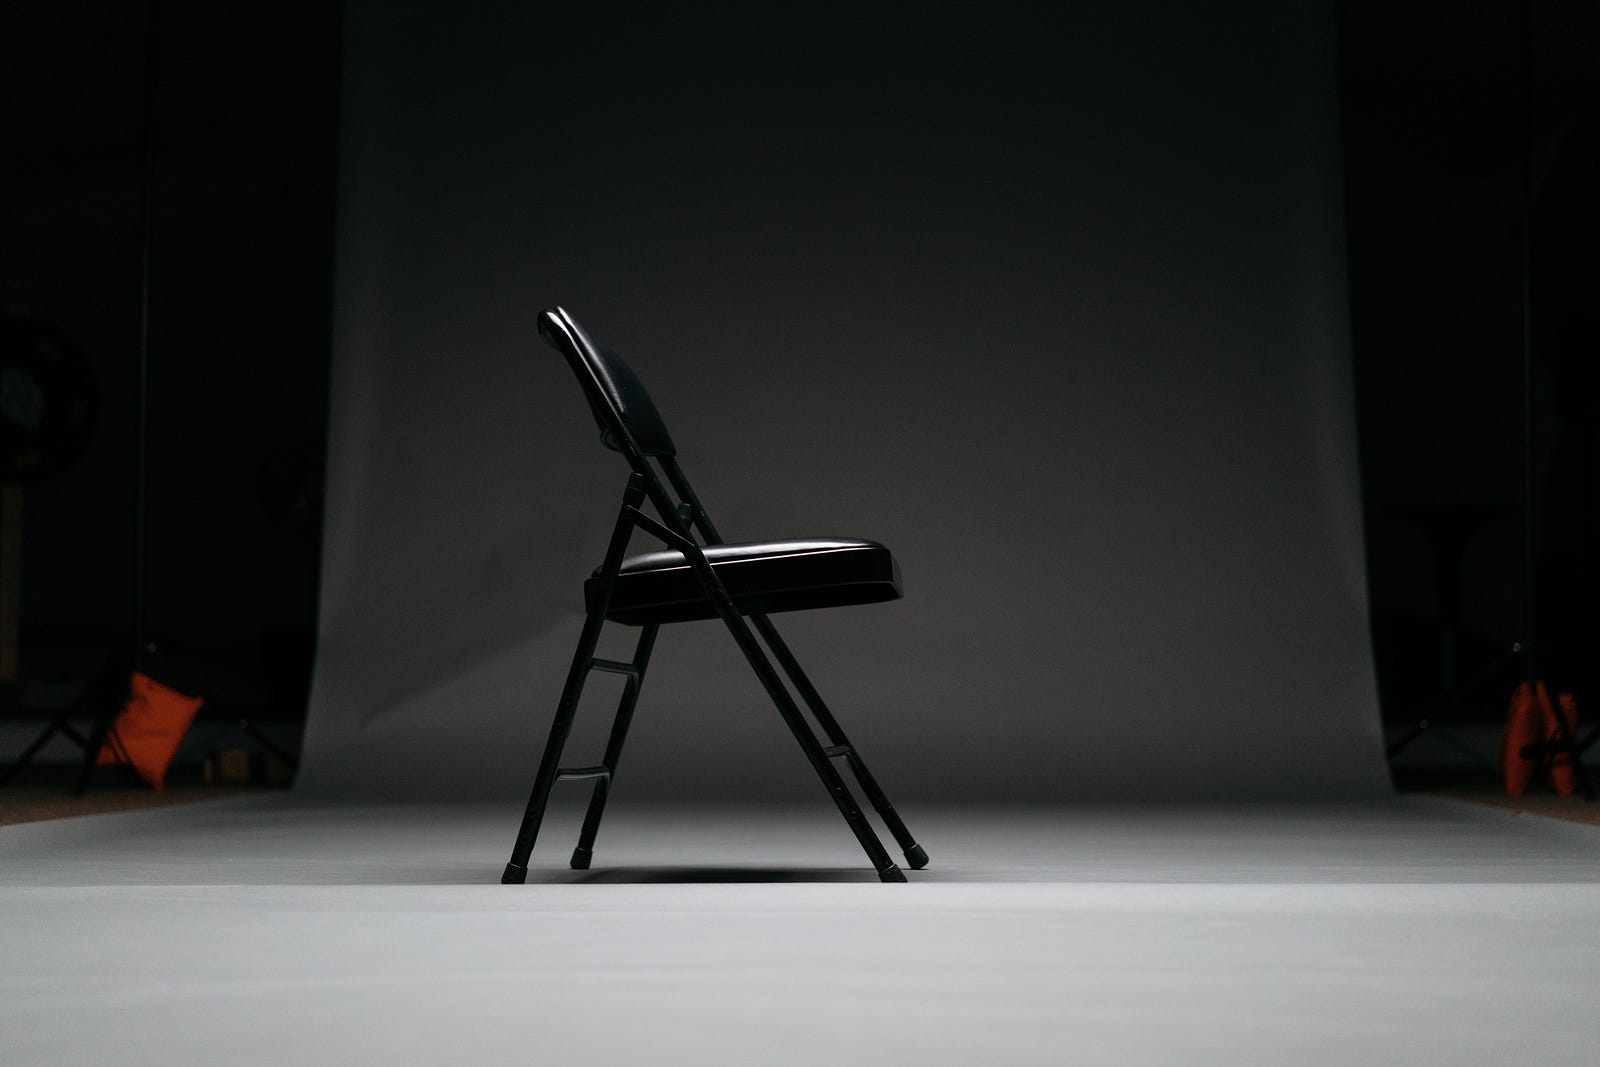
{"points": [[764, 578]]}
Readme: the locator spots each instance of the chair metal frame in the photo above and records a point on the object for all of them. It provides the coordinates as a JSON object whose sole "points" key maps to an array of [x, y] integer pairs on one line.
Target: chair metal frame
{"points": [[680, 519]]}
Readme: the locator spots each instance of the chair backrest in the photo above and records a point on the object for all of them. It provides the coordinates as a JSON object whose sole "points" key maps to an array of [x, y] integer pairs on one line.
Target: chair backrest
{"points": [[630, 424], [618, 400]]}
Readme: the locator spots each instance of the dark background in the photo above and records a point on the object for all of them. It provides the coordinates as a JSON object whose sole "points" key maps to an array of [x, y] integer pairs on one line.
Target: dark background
{"points": [[1050, 298], [228, 119], [1468, 128], [1452, 116]]}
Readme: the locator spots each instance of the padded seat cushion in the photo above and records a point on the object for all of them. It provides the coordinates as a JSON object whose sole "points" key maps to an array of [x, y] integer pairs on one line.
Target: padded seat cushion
{"points": [[764, 577]]}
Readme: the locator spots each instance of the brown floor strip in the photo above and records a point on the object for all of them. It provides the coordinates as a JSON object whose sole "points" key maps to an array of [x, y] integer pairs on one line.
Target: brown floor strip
{"points": [[49, 796], [45, 792]]}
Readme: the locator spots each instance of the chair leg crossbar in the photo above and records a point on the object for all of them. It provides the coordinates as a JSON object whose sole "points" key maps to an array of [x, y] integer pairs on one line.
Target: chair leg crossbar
{"points": [[584, 661]]}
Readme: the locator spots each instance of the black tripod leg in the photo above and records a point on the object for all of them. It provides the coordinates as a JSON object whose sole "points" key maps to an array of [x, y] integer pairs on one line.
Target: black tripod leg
{"points": [[584, 853], [1412, 732], [916, 855], [251, 730], [31, 751], [516, 870], [91, 759]]}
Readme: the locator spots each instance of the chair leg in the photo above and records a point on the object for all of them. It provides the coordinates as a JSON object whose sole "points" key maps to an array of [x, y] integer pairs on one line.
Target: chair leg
{"points": [[831, 780], [516, 871], [916, 855], [583, 661], [887, 871], [584, 853]]}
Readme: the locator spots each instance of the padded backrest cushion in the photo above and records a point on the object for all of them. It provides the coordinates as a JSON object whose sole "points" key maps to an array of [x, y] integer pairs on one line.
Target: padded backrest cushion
{"points": [[148, 729], [609, 385]]}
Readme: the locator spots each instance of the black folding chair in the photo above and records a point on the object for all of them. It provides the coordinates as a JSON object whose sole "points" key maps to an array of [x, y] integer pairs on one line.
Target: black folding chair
{"points": [[740, 583]]}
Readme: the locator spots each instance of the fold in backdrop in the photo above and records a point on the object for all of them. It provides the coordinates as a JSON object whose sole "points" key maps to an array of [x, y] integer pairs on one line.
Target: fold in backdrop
{"points": [[1048, 298]]}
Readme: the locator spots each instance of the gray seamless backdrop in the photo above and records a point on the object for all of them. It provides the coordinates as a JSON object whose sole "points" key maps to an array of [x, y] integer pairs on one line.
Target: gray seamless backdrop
{"points": [[1050, 301]]}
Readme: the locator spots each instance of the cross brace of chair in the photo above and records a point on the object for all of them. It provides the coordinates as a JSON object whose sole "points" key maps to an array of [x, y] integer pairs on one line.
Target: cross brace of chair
{"points": [[629, 518]]}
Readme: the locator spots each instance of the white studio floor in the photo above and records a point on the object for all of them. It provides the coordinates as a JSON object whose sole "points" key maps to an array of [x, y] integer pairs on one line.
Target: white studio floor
{"points": [[265, 930]]}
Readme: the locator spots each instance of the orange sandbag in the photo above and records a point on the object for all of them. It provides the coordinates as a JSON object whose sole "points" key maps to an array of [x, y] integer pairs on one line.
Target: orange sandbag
{"points": [[148, 730], [1524, 727]]}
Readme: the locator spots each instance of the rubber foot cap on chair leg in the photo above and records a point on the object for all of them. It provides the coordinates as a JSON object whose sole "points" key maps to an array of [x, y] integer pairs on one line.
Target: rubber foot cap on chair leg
{"points": [[581, 857], [891, 873], [916, 857], [515, 875]]}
